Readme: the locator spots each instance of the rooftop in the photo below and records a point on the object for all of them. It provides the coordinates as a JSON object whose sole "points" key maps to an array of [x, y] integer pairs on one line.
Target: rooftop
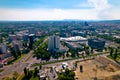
{"points": [[76, 38]]}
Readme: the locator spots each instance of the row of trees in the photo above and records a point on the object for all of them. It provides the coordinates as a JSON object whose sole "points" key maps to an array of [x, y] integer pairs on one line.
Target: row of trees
{"points": [[109, 37], [38, 42], [113, 53], [67, 75], [81, 67], [41, 52], [74, 52], [14, 76], [16, 53], [29, 74]]}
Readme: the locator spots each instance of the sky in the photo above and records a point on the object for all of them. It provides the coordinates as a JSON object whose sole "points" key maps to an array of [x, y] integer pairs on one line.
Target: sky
{"points": [[27, 10]]}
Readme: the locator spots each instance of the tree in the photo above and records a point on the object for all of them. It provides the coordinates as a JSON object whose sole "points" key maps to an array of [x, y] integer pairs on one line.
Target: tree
{"points": [[1, 40], [40, 67], [71, 74], [77, 54], [86, 48], [19, 52], [36, 71], [63, 56], [14, 53], [67, 54], [72, 54], [76, 64], [7, 78], [81, 68], [41, 52], [83, 55], [95, 70], [105, 48], [29, 75], [67, 71], [111, 51], [25, 44], [25, 71], [115, 54], [59, 53], [15, 74], [67, 75]]}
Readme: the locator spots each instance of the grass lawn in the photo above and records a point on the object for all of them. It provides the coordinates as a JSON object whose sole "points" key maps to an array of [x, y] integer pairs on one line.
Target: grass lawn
{"points": [[20, 57], [1, 70], [34, 78], [89, 56], [28, 58], [22, 77], [111, 57], [16, 60], [118, 57]]}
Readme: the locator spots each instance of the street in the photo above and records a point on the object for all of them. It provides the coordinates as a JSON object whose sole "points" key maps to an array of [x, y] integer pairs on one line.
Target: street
{"points": [[17, 66]]}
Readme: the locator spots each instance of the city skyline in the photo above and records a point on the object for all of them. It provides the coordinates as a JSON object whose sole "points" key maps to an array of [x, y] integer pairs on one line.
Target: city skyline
{"points": [[28, 10]]}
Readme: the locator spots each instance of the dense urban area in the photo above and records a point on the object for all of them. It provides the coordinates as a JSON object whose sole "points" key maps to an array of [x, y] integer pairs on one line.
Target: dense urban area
{"points": [[60, 50]]}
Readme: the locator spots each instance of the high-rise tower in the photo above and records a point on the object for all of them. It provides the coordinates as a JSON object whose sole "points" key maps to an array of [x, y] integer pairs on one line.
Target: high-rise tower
{"points": [[54, 43]]}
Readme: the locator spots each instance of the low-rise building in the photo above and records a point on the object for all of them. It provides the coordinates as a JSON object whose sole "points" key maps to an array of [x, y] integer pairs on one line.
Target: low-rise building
{"points": [[3, 48], [74, 45], [74, 39], [43, 75], [17, 44], [96, 43]]}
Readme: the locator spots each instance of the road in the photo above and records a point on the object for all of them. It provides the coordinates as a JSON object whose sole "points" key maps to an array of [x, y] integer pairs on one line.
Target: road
{"points": [[17, 66], [27, 60], [69, 61]]}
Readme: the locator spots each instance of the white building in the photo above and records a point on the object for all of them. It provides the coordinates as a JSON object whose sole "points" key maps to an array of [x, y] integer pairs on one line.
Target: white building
{"points": [[3, 51], [17, 44], [74, 39], [54, 43], [3, 48], [74, 45]]}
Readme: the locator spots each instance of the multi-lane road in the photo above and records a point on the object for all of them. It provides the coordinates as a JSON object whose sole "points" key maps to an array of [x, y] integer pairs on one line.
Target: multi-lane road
{"points": [[17, 66], [26, 61]]}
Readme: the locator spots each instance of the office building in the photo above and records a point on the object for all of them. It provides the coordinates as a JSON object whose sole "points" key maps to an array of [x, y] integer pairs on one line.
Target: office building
{"points": [[3, 48], [96, 43], [54, 43], [17, 45], [31, 40]]}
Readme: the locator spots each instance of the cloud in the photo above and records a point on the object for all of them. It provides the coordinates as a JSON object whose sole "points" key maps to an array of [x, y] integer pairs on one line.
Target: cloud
{"points": [[100, 10], [99, 4], [112, 13], [96, 4], [84, 6], [45, 14]]}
